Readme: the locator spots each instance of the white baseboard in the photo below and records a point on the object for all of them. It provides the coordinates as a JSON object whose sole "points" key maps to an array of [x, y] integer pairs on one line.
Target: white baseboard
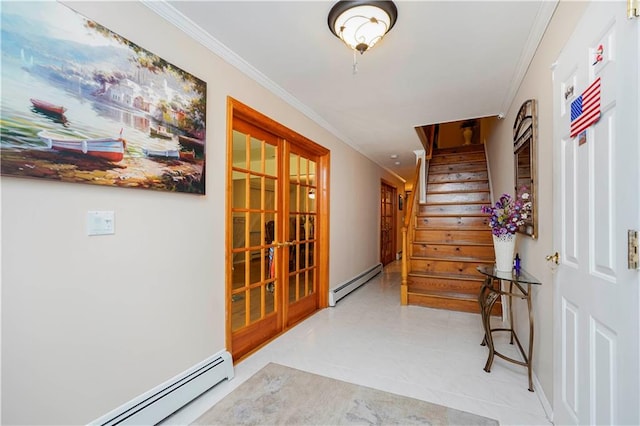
{"points": [[342, 290], [158, 403], [546, 406]]}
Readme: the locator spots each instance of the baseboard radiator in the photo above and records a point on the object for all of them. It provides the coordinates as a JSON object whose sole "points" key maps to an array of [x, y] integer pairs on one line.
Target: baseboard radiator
{"points": [[341, 291], [160, 402]]}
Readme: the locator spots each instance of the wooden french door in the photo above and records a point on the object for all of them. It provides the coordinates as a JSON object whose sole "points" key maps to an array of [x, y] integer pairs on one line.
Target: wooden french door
{"points": [[274, 277], [388, 196]]}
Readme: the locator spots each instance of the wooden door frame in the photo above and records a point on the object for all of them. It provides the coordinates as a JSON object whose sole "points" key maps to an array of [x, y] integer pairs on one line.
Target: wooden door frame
{"points": [[394, 231], [236, 109]]}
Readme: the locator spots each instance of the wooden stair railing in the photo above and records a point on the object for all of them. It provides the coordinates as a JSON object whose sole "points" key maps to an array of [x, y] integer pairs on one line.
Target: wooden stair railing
{"points": [[405, 230]]}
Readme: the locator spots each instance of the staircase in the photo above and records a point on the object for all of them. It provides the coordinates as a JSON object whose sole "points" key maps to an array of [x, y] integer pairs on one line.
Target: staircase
{"points": [[451, 235]]}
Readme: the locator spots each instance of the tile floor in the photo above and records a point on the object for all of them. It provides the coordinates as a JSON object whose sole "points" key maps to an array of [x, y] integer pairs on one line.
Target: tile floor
{"points": [[368, 338]]}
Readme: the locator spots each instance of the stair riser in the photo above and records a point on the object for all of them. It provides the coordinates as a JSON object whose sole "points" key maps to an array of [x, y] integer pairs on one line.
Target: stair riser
{"points": [[450, 304], [452, 222], [457, 168], [457, 158], [454, 209], [452, 236], [458, 186], [459, 197], [485, 253], [428, 285], [458, 149], [456, 176], [465, 268]]}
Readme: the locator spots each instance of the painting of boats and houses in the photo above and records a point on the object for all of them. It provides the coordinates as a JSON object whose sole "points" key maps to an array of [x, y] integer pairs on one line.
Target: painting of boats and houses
{"points": [[83, 104]]}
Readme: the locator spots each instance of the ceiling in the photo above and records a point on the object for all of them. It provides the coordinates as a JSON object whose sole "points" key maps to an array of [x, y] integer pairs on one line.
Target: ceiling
{"points": [[443, 61]]}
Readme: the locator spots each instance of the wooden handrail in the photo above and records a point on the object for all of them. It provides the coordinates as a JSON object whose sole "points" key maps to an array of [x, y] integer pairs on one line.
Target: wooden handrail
{"points": [[414, 191], [405, 228], [427, 135]]}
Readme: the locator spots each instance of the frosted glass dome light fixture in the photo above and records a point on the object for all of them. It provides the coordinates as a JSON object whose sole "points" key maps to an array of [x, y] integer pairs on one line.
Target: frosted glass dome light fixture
{"points": [[362, 24]]}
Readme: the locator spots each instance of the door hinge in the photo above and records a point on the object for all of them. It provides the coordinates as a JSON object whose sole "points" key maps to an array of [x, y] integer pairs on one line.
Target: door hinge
{"points": [[633, 249], [633, 8]]}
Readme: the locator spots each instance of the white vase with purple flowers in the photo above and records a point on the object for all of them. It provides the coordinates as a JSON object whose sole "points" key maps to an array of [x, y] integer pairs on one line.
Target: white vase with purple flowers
{"points": [[506, 216]]}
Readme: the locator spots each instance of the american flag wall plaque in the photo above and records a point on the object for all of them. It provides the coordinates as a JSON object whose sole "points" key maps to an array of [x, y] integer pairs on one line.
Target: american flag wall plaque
{"points": [[585, 109]]}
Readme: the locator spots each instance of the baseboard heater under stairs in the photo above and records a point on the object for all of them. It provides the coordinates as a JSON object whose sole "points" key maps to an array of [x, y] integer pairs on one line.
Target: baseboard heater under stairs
{"points": [[160, 402], [341, 291]]}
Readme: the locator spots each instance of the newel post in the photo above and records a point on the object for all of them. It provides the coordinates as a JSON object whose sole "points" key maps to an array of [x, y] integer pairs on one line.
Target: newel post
{"points": [[404, 297]]}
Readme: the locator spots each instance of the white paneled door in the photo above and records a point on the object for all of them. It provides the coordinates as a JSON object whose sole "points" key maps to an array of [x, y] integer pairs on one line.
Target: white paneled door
{"points": [[596, 202]]}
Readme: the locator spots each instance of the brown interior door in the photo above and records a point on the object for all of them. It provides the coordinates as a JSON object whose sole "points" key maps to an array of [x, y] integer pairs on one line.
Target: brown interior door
{"points": [[301, 294], [254, 293], [388, 216]]}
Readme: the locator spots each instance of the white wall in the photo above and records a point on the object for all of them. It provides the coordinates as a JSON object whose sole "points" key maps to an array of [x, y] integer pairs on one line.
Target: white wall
{"points": [[90, 322], [537, 84]]}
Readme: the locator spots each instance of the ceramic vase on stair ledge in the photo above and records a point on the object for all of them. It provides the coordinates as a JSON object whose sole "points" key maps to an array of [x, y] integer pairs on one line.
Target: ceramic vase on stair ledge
{"points": [[505, 247], [467, 133]]}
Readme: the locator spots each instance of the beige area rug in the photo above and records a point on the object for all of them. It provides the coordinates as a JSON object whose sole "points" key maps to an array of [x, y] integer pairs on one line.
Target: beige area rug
{"points": [[278, 395]]}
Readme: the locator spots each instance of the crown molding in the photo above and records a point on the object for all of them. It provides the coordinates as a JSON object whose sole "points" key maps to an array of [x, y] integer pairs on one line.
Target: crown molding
{"points": [[193, 30], [543, 17]]}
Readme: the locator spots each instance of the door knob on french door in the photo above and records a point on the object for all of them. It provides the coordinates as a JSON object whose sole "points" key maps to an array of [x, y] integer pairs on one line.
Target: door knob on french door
{"points": [[554, 257]]}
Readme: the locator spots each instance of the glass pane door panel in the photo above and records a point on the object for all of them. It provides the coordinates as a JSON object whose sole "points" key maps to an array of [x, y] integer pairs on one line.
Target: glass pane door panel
{"points": [[312, 173], [239, 273], [256, 191], [302, 285], [293, 227], [237, 311], [239, 154], [310, 284], [256, 155], [293, 197], [269, 303], [240, 182], [304, 170], [293, 288], [270, 195], [255, 304], [239, 227], [310, 254], [270, 160], [309, 227], [294, 168]]}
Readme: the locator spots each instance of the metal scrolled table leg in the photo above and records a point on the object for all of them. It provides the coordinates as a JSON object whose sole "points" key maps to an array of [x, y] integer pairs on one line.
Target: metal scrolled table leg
{"points": [[491, 299], [530, 358]]}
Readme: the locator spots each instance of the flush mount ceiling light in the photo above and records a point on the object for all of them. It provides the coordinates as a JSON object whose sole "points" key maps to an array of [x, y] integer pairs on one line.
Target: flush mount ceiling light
{"points": [[361, 24]]}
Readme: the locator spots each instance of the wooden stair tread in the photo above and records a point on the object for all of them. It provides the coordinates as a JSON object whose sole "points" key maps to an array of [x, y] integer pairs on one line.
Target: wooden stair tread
{"points": [[446, 275], [452, 243], [447, 168], [447, 295], [455, 193], [437, 214], [453, 180], [449, 228], [466, 259], [459, 148], [453, 203]]}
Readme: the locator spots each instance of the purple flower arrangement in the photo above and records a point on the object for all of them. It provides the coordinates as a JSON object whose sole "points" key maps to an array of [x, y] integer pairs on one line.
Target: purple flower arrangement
{"points": [[507, 215]]}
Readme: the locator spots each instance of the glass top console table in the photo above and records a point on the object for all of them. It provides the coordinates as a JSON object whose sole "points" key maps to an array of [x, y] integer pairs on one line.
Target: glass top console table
{"points": [[519, 287]]}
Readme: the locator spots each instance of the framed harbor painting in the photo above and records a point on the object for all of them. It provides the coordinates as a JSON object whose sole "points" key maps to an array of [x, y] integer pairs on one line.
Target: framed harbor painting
{"points": [[81, 103]]}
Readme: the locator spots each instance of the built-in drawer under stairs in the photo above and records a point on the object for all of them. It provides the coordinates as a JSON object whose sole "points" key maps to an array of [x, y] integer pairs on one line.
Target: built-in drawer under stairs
{"points": [[451, 235]]}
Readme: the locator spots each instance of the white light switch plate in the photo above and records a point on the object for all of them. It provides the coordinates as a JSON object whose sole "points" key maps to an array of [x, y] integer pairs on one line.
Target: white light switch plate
{"points": [[101, 223]]}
